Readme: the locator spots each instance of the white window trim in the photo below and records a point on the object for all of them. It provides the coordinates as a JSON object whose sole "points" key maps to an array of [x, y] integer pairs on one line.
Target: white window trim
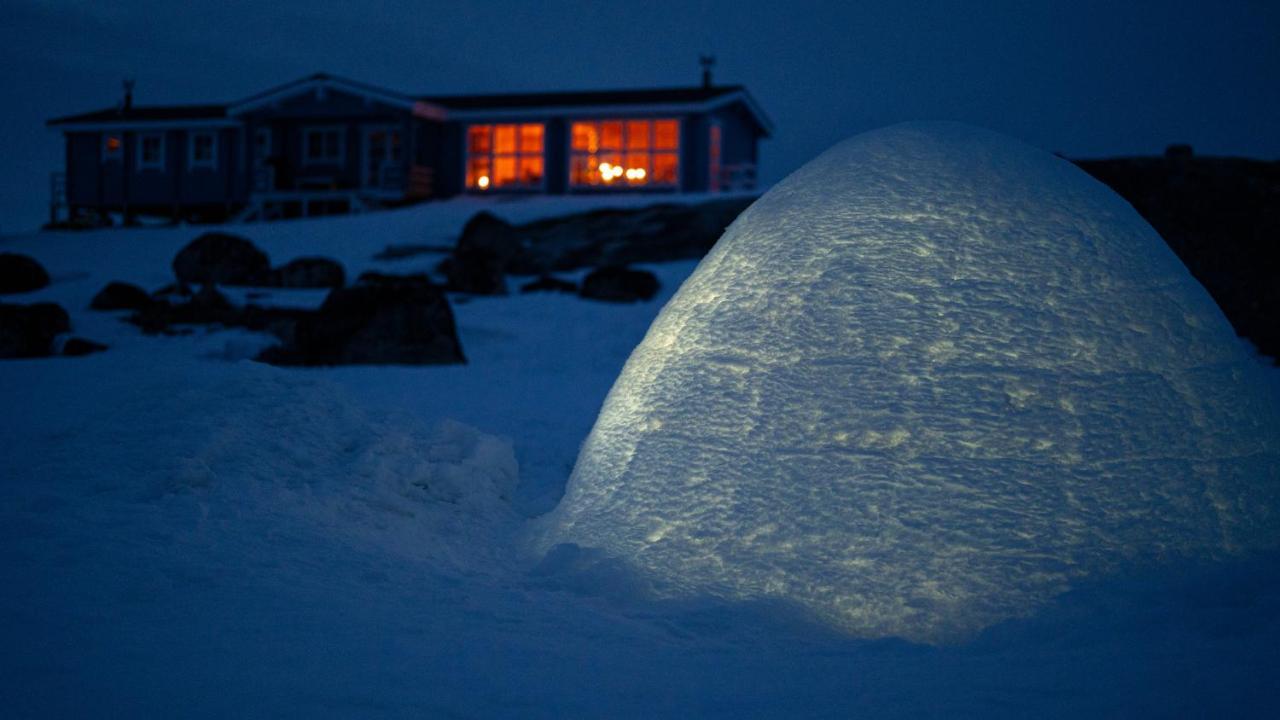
{"points": [[517, 188], [141, 140], [107, 155], [212, 162], [308, 132], [677, 186]]}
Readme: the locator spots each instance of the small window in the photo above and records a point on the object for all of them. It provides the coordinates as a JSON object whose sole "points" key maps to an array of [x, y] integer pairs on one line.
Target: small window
{"points": [[112, 147], [151, 151], [323, 146], [204, 150]]}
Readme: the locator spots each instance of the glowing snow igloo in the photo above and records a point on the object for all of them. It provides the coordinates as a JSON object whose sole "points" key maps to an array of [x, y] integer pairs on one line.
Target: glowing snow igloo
{"points": [[919, 387]]}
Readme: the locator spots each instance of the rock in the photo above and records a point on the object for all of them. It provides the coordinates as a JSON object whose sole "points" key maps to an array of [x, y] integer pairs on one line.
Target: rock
{"points": [[619, 284], [221, 258], [179, 289], [121, 296], [78, 347], [477, 271], [208, 306], [485, 231], [309, 272], [382, 319], [28, 331], [549, 283], [20, 273]]}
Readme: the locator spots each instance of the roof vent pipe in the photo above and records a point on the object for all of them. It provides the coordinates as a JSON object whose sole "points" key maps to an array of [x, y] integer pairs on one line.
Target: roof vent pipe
{"points": [[707, 62], [127, 104]]}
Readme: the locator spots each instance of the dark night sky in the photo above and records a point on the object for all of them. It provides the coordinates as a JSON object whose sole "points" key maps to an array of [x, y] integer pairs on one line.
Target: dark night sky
{"points": [[1086, 78]]}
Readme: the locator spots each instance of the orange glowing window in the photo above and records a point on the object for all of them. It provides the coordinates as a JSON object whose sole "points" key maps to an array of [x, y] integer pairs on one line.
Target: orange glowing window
{"points": [[624, 153], [505, 156]]}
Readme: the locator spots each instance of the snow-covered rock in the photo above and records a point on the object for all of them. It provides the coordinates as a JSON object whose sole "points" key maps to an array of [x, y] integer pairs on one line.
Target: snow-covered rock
{"points": [[920, 387]]}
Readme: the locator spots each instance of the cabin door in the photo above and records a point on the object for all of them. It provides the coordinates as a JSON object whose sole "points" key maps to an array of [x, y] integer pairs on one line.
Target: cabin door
{"points": [[383, 153]]}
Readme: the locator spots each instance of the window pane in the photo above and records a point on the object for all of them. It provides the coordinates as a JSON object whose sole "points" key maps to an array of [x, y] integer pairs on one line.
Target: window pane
{"points": [[530, 169], [531, 138], [638, 134], [585, 137], [113, 144], [666, 134], [479, 138], [665, 168], [504, 169], [477, 167], [580, 169], [611, 134], [504, 139], [332, 139]]}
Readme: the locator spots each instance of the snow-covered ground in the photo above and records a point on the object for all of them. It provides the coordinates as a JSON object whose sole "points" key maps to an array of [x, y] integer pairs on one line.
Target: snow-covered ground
{"points": [[186, 533]]}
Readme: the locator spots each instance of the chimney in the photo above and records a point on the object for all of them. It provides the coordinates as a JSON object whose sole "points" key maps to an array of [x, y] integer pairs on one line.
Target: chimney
{"points": [[707, 62], [127, 104]]}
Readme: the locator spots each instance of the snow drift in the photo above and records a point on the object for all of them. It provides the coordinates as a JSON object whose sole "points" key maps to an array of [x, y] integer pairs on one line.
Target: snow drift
{"points": [[918, 388]]}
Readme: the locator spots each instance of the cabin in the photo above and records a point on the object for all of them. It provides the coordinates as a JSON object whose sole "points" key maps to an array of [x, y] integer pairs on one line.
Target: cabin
{"points": [[324, 144]]}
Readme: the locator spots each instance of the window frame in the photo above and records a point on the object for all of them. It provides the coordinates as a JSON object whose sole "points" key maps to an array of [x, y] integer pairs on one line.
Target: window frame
{"points": [[337, 160], [212, 162], [651, 150], [467, 154], [140, 151]]}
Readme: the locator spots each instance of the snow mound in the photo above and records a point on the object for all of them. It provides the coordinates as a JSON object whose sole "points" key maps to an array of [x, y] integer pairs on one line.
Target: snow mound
{"points": [[920, 387]]}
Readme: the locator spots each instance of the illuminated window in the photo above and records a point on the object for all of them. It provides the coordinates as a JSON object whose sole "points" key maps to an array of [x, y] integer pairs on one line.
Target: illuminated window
{"points": [[713, 159], [203, 149], [112, 147], [505, 156], [624, 153], [324, 146], [151, 151]]}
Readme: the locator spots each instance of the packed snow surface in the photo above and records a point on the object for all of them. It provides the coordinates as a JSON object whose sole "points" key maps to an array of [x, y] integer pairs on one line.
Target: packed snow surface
{"points": [[920, 387], [187, 534]]}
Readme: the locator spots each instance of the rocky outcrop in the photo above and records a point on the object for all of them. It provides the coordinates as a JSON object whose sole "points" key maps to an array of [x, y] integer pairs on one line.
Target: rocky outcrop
{"points": [[1222, 217], [20, 273], [619, 284], [489, 246]]}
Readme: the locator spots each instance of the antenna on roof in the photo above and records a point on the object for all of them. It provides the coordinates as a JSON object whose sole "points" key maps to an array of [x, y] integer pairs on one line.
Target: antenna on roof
{"points": [[127, 103], [707, 62]]}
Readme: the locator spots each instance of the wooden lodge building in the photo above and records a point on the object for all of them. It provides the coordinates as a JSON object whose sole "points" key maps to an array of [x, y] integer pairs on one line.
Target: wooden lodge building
{"points": [[325, 144]]}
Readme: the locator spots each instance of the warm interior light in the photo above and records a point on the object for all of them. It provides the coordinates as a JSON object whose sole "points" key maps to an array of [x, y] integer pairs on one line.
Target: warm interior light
{"points": [[483, 181]]}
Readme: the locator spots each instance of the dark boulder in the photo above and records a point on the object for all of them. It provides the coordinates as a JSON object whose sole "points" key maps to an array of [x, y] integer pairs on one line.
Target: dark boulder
{"points": [[382, 319], [29, 331], [488, 232], [79, 347], [309, 272], [19, 274], [477, 271], [221, 258], [549, 283], [121, 296], [619, 284]]}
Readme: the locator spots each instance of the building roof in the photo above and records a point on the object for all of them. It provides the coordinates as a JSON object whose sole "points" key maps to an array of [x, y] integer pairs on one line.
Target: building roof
{"points": [[146, 113], [582, 97], [437, 106]]}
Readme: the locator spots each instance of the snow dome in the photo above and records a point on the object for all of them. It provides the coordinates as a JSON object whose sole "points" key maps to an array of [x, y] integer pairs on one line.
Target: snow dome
{"points": [[921, 386]]}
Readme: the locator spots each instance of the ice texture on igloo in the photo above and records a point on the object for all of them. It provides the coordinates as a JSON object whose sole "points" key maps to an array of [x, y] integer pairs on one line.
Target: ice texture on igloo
{"points": [[921, 386]]}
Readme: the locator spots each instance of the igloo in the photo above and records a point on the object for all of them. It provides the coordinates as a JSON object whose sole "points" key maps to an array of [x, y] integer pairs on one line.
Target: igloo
{"points": [[929, 381]]}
